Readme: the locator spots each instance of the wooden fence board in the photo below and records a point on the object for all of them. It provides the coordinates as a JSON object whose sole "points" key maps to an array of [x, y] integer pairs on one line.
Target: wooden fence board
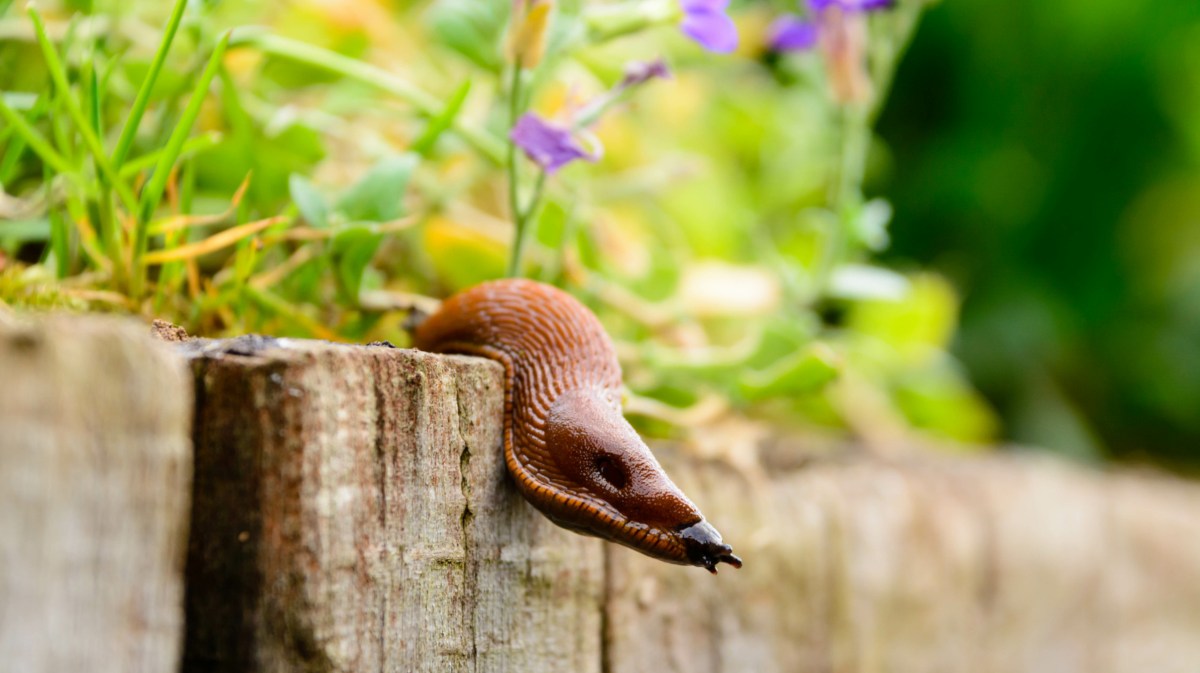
{"points": [[351, 512], [95, 466]]}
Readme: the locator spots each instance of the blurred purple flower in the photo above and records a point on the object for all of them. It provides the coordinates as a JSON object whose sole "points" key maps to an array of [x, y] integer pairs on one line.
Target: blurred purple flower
{"points": [[850, 5], [792, 33], [548, 145], [706, 22], [552, 146], [640, 72]]}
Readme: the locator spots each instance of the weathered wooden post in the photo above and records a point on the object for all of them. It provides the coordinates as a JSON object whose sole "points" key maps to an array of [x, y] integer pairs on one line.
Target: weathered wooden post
{"points": [[95, 465], [931, 564], [352, 514]]}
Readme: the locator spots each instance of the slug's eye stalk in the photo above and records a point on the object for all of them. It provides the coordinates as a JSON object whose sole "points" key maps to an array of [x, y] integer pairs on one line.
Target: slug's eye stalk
{"points": [[705, 548]]}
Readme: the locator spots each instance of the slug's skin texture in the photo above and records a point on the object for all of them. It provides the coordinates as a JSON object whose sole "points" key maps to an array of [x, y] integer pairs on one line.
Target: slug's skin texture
{"points": [[572, 454]]}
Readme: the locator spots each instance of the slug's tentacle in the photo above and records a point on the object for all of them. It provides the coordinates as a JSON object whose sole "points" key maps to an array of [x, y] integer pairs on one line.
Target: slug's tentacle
{"points": [[572, 454]]}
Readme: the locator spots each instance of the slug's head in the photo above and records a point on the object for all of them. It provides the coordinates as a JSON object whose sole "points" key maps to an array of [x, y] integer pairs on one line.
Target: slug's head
{"points": [[705, 548], [617, 490]]}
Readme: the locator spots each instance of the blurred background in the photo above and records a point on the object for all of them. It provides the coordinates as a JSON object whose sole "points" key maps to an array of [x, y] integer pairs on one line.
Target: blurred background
{"points": [[999, 245], [1046, 158]]}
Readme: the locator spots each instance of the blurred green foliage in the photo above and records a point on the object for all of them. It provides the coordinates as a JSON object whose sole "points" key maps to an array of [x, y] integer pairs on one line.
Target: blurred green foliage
{"points": [[1046, 157], [347, 159]]}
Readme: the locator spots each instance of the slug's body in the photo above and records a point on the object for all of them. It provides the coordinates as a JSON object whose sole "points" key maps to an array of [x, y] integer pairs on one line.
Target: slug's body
{"points": [[572, 454]]}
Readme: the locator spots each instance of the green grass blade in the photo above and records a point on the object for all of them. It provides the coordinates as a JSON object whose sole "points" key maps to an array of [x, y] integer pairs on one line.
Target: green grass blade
{"points": [[16, 146], [438, 125], [332, 61], [58, 120], [13, 149], [93, 95], [60, 241], [125, 142], [59, 75], [192, 146], [36, 141], [428, 105], [152, 194]]}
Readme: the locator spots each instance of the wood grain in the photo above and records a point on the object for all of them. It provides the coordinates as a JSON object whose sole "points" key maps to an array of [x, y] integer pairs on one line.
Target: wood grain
{"points": [[95, 463], [353, 514], [998, 564]]}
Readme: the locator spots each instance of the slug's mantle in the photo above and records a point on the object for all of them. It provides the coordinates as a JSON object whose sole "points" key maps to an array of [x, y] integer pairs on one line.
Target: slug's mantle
{"points": [[573, 455]]}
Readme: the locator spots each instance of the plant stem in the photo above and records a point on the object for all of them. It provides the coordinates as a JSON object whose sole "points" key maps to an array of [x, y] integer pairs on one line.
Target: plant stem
{"points": [[846, 196], [60, 239], [522, 217], [514, 196], [524, 220], [855, 139]]}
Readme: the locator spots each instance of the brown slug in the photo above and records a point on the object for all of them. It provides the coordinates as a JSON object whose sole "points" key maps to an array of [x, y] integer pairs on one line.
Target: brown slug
{"points": [[573, 455]]}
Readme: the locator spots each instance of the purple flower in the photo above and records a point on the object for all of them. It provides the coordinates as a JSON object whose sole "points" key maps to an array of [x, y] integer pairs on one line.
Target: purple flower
{"points": [[640, 72], [552, 146], [706, 22], [548, 145], [792, 33], [850, 5]]}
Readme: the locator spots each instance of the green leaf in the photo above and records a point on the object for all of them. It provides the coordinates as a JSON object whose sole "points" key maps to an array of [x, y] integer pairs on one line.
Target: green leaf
{"points": [[271, 159], [916, 325], [379, 195], [803, 372], [939, 400], [309, 201], [472, 29], [352, 249]]}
